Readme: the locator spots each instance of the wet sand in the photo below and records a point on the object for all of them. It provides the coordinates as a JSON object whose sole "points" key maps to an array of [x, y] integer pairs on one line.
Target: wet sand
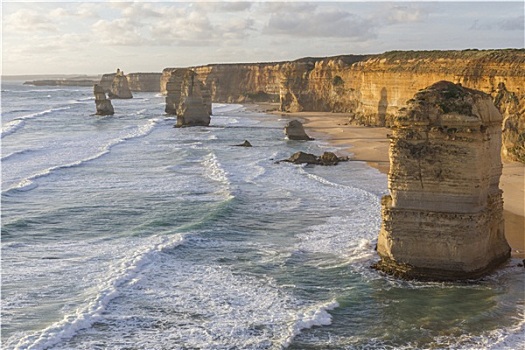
{"points": [[371, 145]]}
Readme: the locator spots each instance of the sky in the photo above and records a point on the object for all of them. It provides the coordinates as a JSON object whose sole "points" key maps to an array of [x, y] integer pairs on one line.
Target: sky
{"points": [[78, 37]]}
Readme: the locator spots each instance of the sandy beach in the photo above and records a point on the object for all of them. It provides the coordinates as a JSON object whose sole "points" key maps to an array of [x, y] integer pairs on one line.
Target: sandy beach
{"points": [[371, 145]]}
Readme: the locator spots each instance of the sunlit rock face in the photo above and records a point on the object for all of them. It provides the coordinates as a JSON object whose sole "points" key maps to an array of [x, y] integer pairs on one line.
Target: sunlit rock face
{"points": [[443, 219], [119, 87], [188, 98], [372, 88], [103, 105], [144, 82]]}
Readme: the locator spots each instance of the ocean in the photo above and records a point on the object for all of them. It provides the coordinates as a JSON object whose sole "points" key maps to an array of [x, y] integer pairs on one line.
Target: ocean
{"points": [[122, 232]]}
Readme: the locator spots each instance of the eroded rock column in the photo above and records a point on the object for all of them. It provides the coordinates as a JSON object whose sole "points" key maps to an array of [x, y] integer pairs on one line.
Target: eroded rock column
{"points": [[443, 219], [188, 99], [103, 105]]}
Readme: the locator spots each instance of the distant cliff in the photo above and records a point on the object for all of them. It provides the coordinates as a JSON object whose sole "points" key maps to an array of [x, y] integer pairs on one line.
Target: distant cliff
{"points": [[62, 82], [144, 82], [374, 87]]}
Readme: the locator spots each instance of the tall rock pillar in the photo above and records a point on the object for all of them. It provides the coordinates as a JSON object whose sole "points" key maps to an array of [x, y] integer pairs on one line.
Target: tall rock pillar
{"points": [[188, 99], [120, 87], [443, 219], [103, 105]]}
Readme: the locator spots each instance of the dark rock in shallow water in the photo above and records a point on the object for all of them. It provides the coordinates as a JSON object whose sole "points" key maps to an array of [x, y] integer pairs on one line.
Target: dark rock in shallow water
{"points": [[294, 131], [327, 158], [302, 158], [246, 143]]}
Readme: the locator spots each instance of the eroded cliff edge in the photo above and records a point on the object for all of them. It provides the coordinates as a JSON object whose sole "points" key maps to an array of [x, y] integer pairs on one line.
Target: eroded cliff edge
{"points": [[374, 87]]}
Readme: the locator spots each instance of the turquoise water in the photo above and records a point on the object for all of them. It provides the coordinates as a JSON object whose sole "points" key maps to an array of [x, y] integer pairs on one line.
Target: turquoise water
{"points": [[123, 232]]}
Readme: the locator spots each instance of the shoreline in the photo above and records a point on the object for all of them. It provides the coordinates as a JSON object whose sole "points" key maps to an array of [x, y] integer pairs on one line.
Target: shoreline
{"points": [[371, 144]]}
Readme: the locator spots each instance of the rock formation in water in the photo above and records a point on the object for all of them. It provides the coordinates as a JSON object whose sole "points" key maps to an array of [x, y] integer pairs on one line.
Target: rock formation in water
{"points": [[294, 130], [443, 218], [103, 105], [371, 87], [119, 87], [188, 99], [246, 143], [327, 158]]}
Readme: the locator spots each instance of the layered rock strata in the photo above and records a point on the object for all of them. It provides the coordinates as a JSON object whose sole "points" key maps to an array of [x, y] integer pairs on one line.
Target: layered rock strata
{"points": [[144, 82], [103, 105], [188, 98], [137, 82], [372, 87], [443, 218], [119, 87]]}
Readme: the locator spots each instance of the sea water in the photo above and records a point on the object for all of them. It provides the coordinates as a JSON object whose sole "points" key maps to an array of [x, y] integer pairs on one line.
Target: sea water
{"points": [[122, 232]]}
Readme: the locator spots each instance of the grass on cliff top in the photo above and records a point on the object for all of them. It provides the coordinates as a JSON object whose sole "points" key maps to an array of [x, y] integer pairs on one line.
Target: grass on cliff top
{"points": [[501, 55]]}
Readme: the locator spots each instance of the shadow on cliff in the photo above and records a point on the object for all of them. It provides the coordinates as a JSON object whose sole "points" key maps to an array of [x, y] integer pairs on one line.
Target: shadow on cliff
{"points": [[382, 107]]}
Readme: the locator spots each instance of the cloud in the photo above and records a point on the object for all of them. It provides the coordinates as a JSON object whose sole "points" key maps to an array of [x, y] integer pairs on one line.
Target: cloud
{"points": [[233, 6], [119, 32], [321, 23], [516, 23], [507, 24], [404, 14], [29, 20]]}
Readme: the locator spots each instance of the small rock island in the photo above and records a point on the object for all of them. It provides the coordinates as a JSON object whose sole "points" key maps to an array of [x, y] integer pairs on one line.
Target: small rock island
{"points": [[443, 219]]}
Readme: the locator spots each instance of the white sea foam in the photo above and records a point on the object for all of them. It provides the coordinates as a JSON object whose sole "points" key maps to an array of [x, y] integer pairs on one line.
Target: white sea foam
{"points": [[315, 315], [216, 172], [124, 273], [221, 109], [19, 122], [12, 126], [28, 183]]}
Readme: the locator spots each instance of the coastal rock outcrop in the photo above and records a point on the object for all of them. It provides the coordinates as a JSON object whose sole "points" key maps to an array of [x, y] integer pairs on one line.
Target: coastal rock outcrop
{"points": [[188, 99], [294, 130], [443, 218], [327, 158], [103, 105], [119, 87], [246, 143]]}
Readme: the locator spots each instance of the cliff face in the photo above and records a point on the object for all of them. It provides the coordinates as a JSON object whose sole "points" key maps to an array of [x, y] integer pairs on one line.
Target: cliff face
{"points": [[443, 217], [236, 83], [145, 82], [374, 87]]}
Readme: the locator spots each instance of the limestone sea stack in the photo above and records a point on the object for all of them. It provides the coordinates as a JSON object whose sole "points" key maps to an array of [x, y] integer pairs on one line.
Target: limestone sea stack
{"points": [[187, 98], [294, 130], [119, 86], [103, 105], [443, 218]]}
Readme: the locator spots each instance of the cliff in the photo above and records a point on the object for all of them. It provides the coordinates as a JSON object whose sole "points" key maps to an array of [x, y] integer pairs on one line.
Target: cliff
{"points": [[443, 218], [145, 82], [374, 87], [62, 82], [137, 82]]}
